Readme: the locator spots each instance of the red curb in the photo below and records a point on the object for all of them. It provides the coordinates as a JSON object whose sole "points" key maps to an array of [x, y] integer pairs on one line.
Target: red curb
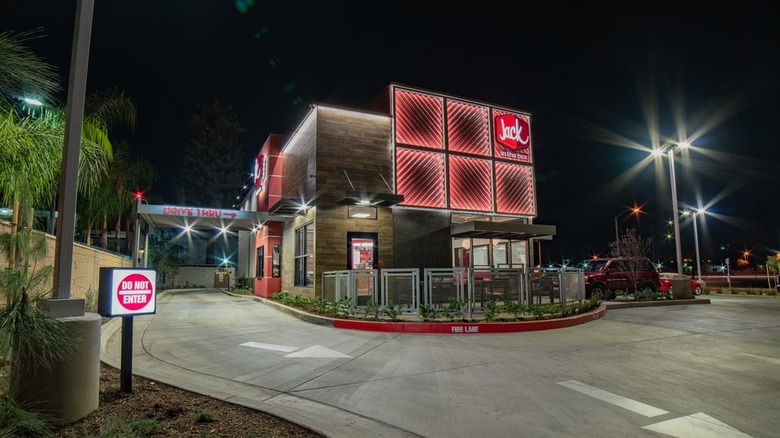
{"points": [[465, 328]]}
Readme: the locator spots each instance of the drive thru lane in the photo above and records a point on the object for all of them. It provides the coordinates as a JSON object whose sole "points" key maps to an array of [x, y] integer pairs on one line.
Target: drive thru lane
{"points": [[707, 366]]}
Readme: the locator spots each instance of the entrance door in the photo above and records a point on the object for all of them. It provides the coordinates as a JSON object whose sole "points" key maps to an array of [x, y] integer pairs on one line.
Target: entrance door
{"points": [[362, 250], [363, 253]]}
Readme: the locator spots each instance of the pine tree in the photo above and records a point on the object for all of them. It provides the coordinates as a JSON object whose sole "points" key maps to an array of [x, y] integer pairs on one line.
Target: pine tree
{"points": [[213, 160]]}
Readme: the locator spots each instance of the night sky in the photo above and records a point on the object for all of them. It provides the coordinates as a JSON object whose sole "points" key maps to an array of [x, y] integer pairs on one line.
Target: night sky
{"points": [[601, 81]]}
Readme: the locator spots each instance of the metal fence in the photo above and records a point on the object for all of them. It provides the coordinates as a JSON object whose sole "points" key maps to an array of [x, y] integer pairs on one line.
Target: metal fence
{"points": [[553, 285], [467, 288]]}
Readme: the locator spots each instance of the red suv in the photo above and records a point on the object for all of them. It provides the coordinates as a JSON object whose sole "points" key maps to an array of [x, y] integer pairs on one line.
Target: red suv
{"points": [[604, 277]]}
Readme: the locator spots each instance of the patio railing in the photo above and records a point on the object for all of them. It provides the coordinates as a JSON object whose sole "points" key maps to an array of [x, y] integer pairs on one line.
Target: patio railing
{"points": [[470, 289]]}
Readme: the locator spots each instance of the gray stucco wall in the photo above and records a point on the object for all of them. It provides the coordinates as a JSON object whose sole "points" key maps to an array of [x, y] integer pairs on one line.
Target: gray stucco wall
{"points": [[422, 239]]}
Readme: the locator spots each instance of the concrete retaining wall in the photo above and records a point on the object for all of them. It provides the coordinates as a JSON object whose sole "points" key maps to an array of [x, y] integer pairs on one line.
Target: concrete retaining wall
{"points": [[87, 261]]}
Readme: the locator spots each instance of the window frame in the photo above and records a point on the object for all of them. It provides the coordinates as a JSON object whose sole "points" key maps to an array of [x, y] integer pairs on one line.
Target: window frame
{"points": [[260, 263], [304, 256]]}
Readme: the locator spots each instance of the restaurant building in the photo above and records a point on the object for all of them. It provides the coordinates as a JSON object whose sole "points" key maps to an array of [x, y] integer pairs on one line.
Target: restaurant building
{"points": [[423, 180]]}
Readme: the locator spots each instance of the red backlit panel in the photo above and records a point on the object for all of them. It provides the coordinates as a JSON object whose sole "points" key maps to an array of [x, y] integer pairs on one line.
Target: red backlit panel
{"points": [[468, 129], [420, 177], [470, 184], [418, 120], [511, 136], [514, 189]]}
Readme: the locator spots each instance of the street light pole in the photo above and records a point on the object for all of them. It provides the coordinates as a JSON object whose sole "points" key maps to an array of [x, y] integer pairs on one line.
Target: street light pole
{"points": [[74, 110], [675, 211], [696, 242]]}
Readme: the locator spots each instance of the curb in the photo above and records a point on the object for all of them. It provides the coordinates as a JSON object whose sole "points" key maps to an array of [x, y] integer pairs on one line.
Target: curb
{"points": [[629, 304], [450, 328]]}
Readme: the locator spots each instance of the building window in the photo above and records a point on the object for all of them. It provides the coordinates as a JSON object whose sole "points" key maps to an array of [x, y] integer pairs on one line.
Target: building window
{"points": [[481, 256], [518, 253], [260, 271], [304, 256], [499, 255], [276, 261]]}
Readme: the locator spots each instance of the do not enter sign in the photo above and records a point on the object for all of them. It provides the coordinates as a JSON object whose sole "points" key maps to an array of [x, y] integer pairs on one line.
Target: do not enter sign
{"points": [[134, 292], [127, 291]]}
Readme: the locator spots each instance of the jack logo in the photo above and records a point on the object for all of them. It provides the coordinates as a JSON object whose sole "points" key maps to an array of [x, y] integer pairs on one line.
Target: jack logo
{"points": [[259, 170], [512, 131]]}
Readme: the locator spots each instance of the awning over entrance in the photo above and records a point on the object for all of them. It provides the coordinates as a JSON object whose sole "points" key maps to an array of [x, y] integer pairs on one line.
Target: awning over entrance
{"points": [[502, 230], [174, 216]]}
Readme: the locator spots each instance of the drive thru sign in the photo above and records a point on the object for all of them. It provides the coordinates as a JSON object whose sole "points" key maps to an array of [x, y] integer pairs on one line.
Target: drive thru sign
{"points": [[127, 292]]}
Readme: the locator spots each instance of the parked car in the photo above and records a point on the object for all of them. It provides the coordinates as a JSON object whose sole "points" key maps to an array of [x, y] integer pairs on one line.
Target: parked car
{"points": [[605, 276], [666, 283]]}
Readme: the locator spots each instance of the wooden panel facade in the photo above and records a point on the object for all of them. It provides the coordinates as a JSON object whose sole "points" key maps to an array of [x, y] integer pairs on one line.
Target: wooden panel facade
{"points": [[351, 147], [338, 147]]}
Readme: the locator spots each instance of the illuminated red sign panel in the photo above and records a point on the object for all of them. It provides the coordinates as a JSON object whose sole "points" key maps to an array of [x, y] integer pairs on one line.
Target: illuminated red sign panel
{"points": [[512, 132], [418, 120], [420, 178], [488, 152], [470, 184], [514, 189], [468, 130], [259, 170], [512, 136]]}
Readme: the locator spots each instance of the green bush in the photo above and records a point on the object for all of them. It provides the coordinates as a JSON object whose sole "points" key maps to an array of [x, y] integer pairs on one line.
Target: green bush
{"points": [[391, 311], [428, 313], [204, 417], [491, 310], [371, 309], [454, 310], [513, 308]]}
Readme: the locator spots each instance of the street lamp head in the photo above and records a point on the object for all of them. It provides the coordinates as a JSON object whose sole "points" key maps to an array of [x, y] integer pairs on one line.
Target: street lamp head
{"points": [[32, 101], [684, 144]]}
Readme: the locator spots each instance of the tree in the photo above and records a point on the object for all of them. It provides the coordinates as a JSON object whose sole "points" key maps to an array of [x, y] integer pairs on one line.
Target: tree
{"points": [[22, 73], [108, 199], [111, 202], [31, 151], [212, 163], [633, 251], [165, 253], [773, 266]]}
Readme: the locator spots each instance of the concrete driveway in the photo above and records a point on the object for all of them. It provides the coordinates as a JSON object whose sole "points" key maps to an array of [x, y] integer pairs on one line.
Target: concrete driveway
{"points": [[683, 371]]}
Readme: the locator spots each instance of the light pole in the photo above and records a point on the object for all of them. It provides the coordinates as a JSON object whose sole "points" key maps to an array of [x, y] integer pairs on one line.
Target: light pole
{"points": [[634, 210], [675, 211], [696, 240], [676, 215]]}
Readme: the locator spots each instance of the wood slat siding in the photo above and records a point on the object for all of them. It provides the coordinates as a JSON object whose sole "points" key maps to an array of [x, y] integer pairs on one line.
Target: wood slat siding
{"points": [[359, 143]]}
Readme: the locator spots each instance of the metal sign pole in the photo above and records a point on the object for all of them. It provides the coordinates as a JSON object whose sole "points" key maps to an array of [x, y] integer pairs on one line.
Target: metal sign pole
{"points": [[126, 368]]}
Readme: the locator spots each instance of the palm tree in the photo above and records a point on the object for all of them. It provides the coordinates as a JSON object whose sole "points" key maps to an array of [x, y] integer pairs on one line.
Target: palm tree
{"points": [[32, 148], [22, 73], [108, 198], [113, 199], [139, 177]]}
